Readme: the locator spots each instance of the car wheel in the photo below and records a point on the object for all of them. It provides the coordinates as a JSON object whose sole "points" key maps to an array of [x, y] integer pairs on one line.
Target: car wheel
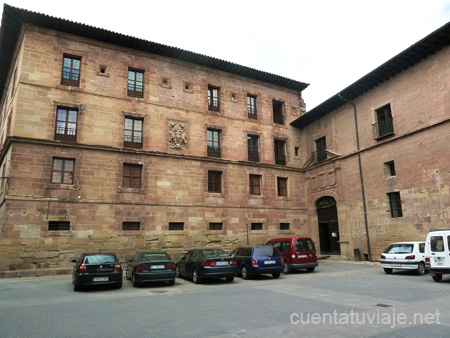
{"points": [[171, 282], [310, 269], [388, 270], [276, 275], [286, 268], [421, 269], [244, 273], [437, 277], [230, 279], [133, 278], [76, 286], [195, 278]]}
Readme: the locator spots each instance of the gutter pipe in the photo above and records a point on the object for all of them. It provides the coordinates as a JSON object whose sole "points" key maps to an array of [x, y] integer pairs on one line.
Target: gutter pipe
{"points": [[366, 222]]}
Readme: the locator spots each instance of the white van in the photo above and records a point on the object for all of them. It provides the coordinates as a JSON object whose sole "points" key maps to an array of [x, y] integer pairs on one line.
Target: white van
{"points": [[437, 251]]}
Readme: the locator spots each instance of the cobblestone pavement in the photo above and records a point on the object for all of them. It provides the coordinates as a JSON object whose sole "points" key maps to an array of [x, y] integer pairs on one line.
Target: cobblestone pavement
{"points": [[339, 299]]}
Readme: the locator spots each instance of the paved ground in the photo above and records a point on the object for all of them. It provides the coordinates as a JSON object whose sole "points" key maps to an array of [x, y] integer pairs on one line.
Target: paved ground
{"points": [[338, 300]]}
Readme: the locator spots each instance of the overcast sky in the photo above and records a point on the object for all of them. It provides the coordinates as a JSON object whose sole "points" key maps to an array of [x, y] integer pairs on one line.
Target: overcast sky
{"points": [[329, 44]]}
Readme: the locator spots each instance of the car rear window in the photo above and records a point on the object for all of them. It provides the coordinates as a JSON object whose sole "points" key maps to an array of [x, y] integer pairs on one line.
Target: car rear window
{"points": [[304, 244], [213, 253], [154, 256], [399, 249], [437, 243], [266, 251], [99, 259]]}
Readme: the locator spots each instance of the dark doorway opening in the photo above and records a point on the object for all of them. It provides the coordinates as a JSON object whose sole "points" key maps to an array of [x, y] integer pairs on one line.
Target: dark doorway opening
{"points": [[328, 226]]}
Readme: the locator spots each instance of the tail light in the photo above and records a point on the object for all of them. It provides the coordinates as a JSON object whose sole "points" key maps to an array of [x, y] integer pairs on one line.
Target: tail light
{"points": [[254, 262], [282, 260], [83, 268], [427, 261], [209, 263], [139, 268], [383, 257], [233, 263], [117, 266], [171, 266], [410, 257]]}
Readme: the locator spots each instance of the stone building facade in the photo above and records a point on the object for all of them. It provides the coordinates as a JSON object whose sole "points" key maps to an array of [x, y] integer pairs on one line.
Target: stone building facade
{"points": [[119, 144], [109, 146], [379, 169]]}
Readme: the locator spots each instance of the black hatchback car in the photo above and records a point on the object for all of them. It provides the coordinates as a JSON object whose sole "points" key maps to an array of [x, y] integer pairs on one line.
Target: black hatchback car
{"points": [[151, 266], [206, 263], [95, 269]]}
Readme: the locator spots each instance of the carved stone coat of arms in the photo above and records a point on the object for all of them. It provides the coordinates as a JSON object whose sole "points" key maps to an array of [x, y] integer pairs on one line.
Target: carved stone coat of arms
{"points": [[177, 135]]}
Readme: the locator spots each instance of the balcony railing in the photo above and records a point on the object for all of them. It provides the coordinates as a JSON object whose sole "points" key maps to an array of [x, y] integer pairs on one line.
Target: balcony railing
{"points": [[319, 156], [213, 152], [252, 114], [383, 128], [253, 155], [278, 118], [132, 142], [70, 79], [66, 134], [280, 159]]}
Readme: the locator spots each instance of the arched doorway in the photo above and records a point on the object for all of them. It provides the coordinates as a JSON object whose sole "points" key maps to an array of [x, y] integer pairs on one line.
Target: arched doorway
{"points": [[328, 226]]}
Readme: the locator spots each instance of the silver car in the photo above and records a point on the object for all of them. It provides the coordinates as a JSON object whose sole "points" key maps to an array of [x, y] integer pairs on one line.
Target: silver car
{"points": [[404, 256]]}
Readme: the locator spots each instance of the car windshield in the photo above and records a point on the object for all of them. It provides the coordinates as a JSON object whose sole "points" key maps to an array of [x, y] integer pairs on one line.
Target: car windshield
{"points": [[213, 252], [399, 248], [266, 251], [99, 259], [154, 256]]}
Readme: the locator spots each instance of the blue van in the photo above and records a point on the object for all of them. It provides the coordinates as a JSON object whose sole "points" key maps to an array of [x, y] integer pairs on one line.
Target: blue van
{"points": [[255, 260]]}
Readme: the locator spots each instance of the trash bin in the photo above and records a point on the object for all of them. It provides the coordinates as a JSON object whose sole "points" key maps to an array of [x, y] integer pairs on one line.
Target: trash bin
{"points": [[357, 254]]}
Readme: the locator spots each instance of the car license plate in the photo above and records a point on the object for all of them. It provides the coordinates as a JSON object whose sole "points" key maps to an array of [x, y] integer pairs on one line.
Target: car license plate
{"points": [[269, 262], [100, 279], [396, 265], [439, 261], [157, 267], [302, 256], [221, 263]]}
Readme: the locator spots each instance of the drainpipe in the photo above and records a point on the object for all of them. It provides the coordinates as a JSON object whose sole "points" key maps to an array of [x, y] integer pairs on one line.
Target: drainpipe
{"points": [[360, 176]]}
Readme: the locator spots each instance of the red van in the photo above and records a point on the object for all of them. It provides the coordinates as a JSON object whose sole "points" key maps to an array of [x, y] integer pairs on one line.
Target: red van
{"points": [[298, 253]]}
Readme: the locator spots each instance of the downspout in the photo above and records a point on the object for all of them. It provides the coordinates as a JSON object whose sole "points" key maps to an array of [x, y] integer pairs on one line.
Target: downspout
{"points": [[360, 176]]}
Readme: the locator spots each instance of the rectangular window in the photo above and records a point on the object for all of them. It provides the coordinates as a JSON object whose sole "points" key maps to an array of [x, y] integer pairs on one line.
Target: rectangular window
{"points": [[255, 184], [66, 124], [278, 112], [321, 146], [256, 226], [58, 226], [390, 168], [131, 226], [213, 98], [282, 186], [70, 75], [251, 107], [135, 83], [214, 181], [395, 204], [62, 172], [215, 226], [132, 137], [384, 125], [132, 175], [213, 142], [253, 151], [285, 226], [174, 226], [280, 154]]}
